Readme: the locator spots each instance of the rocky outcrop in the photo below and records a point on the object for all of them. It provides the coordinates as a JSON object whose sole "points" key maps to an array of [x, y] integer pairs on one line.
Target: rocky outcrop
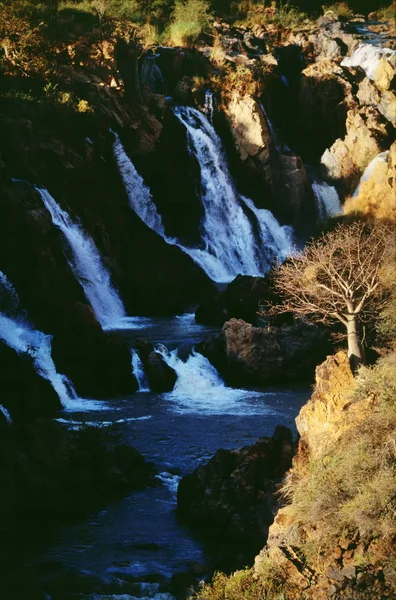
{"points": [[260, 355], [366, 136], [349, 569], [231, 497], [241, 300], [249, 129], [375, 197], [24, 393]]}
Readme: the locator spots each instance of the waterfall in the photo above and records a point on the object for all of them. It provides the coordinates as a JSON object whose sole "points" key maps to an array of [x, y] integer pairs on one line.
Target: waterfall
{"points": [[327, 200], [87, 266], [139, 373], [237, 238], [274, 135], [6, 414], [151, 75], [209, 105], [139, 195], [19, 334], [200, 389], [382, 157], [368, 57], [234, 242]]}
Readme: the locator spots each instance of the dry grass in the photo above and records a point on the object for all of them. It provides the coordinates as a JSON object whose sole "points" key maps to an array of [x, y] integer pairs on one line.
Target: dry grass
{"points": [[376, 198], [353, 487], [341, 9]]}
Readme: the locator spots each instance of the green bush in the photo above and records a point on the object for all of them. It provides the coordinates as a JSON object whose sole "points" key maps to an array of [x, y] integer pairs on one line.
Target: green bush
{"points": [[189, 19]]}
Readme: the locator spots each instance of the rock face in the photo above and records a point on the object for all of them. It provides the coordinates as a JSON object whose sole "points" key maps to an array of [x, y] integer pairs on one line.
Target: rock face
{"points": [[260, 355], [249, 129], [322, 423], [231, 497], [366, 136], [24, 393]]}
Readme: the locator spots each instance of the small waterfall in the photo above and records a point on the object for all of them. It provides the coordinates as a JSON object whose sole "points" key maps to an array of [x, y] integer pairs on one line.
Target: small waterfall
{"points": [[6, 414], [88, 266], [139, 373], [19, 334], [209, 107], [274, 135], [139, 195], [200, 389], [368, 57], [327, 200], [151, 75], [382, 157]]}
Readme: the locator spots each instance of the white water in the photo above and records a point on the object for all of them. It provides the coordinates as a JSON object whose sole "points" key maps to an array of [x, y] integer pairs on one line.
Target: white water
{"points": [[18, 333], [327, 200], [368, 57], [274, 135], [382, 157], [140, 199], [87, 266], [139, 373], [199, 389], [237, 238]]}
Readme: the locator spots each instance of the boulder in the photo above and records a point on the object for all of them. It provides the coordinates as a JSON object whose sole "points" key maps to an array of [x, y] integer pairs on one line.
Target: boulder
{"points": [[387, 106], [24, 393], [230, 498], [248, 355], [368, 94], [161, 377]]}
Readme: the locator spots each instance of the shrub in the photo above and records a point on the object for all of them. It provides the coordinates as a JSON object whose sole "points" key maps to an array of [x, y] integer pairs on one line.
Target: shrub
{"points": [[388, 13], [189, 19], [341, 9]]}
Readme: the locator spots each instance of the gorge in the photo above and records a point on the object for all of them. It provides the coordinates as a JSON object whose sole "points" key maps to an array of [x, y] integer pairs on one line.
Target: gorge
{"points": [[147, 192]]}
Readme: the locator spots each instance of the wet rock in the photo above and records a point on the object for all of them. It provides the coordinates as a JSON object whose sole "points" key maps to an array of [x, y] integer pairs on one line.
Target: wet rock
{"points": [[24, 393], [161, 377], [230, 498]]}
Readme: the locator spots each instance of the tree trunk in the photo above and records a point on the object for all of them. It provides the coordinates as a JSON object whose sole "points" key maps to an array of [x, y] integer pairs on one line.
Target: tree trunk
{"points": [[355, 350]]}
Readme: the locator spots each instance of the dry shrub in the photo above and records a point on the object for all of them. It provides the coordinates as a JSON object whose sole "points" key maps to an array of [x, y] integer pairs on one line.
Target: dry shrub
{"points": [[341, 9]]}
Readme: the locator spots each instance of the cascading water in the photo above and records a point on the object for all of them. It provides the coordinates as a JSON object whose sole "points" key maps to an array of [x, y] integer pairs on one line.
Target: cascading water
{"points": [[234, 243], [237, 237], [6, 414], [274, 135], [368, 57], [18, 333], [327, 200], [88, 266], [200, 389], [382, 157], [139, 373]]}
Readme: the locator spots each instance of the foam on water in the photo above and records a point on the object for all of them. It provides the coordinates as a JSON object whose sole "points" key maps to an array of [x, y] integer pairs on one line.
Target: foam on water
{"points": [[368, 57], [200, 389]]}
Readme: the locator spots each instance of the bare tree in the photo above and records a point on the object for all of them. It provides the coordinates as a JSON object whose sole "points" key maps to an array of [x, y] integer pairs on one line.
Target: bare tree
{"points": [[345, 275]]}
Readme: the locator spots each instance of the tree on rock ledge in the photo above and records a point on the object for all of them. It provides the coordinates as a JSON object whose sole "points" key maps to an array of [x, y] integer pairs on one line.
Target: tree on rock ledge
{"points": [[345, 275]]}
